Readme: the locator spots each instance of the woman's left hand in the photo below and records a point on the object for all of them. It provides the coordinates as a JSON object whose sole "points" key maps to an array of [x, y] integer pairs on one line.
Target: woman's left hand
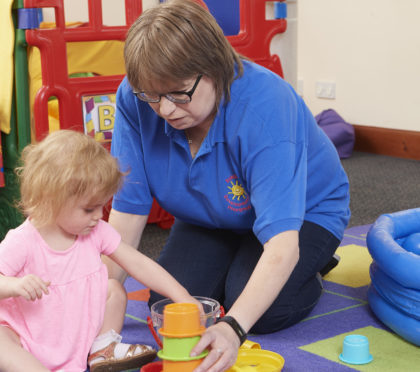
{"points": [[223, 345]]}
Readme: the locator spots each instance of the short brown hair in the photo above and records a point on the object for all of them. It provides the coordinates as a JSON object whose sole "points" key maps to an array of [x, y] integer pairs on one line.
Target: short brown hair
{"points": [[65, 164], [178, 40]]}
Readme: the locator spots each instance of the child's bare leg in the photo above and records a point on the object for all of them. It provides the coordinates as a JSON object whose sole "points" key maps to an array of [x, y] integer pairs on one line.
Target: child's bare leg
{"points": [[16, 358], [116, 305], [108, 342]]}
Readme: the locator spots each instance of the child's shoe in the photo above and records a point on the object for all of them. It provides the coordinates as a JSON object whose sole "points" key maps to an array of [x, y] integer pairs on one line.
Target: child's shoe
{"points": [[116, 356]]}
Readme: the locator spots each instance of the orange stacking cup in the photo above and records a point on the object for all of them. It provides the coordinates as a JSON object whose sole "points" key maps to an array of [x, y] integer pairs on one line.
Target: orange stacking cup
{"points": [[181, 320], [184, 366]]}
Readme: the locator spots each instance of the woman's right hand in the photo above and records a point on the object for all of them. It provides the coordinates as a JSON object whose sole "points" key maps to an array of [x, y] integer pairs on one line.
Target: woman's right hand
{"points": [[223, 345]]}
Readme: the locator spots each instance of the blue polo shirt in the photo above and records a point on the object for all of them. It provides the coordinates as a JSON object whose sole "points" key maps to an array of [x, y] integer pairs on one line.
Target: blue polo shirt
{"points": [[264, 165]]}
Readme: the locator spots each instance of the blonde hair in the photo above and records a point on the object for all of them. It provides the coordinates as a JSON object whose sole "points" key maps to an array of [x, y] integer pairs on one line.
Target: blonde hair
{"points": [[65, 164], [178, 40]]}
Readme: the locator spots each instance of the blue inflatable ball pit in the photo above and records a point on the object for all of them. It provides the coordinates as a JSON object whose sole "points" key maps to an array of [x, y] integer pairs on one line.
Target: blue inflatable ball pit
{"points": [[412, 243], [394, 294]]}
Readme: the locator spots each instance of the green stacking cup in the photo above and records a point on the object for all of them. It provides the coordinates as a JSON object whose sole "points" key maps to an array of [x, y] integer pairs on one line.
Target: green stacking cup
{"points": [[179, 349]]}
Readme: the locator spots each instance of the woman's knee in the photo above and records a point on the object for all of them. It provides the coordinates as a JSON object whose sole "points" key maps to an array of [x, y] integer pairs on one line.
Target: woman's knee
{"points": [[271, 322], [290, 308]]}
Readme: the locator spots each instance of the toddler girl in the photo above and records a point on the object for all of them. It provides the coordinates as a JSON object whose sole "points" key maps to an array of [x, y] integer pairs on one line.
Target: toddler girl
{"points": [[56, 303]]}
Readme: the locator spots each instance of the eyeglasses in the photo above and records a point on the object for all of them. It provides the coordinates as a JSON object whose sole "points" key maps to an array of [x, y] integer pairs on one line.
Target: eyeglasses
{"points": [[175, 97]]}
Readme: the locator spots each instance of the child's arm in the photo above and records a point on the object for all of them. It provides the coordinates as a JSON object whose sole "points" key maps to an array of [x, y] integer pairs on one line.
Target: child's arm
{"points": [[31, 287], [150, 273]]}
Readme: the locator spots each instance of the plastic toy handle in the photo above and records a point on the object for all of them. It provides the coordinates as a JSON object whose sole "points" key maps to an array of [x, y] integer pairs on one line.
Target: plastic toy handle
{"points": [[152, 330]]}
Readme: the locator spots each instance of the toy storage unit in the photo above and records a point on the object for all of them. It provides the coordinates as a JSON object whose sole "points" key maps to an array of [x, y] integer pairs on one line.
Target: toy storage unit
{"points": [[86, 103]]}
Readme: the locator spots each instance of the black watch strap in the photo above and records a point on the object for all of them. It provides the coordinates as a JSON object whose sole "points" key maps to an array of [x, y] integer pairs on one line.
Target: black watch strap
{"points": [[235, 326]]}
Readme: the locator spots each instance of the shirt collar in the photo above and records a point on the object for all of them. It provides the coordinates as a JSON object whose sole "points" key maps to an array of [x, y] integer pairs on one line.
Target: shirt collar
{"points": [[216, 132]]}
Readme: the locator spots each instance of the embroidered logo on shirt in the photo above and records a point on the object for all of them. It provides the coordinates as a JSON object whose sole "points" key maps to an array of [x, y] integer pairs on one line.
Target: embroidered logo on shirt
{"points": [[237, 191], [236, 196]]}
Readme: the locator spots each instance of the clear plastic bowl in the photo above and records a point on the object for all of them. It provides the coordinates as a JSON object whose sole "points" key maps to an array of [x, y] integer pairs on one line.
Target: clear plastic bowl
{"points": [[211, 311]]}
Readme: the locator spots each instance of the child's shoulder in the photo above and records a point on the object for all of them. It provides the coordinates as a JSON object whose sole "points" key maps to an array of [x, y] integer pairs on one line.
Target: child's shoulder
{"points": [[103, 231], [18, 243], [20, 233], [104, 227], [105, 236]]}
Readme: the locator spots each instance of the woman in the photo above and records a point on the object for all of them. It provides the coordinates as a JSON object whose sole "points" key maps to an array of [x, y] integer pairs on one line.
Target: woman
{"points": [[227, 147]]}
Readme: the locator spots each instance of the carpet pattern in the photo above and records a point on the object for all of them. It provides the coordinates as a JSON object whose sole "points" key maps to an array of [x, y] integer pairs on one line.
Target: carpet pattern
{"points": [[315, 343]]}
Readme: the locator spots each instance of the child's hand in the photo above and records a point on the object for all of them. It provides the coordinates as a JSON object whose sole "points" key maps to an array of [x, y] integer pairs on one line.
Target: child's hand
{"points": [[30, 287], [193, 300], [200, 306]]}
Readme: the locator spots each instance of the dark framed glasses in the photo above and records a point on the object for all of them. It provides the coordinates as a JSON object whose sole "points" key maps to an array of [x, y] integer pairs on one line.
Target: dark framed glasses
{"points": [[175, 97]]}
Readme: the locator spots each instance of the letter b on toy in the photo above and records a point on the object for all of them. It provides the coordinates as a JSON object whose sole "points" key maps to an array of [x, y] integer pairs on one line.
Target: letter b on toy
{"points": [[106, 117]]}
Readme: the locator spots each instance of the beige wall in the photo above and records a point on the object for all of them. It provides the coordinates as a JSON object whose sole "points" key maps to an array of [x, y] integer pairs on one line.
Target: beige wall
{"points": [[285, 44], [371, 51]]}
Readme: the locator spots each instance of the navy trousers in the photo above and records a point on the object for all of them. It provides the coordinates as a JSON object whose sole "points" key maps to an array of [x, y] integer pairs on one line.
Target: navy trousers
{"points": [[217, 263]]}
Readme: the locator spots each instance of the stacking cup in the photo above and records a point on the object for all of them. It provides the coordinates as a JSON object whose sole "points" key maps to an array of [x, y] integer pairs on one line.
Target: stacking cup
{"points": [[181, 331], [181, 320], [178, 348], [356, 350], [185, 366], [152, 367]]}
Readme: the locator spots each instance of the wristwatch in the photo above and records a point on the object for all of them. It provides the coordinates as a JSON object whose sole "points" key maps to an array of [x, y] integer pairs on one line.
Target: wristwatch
{"points": [[235, 326]]}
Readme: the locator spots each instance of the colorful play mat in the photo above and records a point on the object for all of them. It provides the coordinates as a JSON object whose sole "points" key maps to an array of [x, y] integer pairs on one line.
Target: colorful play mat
{"points": [[316, 343]]}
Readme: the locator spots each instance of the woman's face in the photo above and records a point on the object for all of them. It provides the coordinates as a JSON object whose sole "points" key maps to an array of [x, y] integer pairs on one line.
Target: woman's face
{"points": [[199, 112]]}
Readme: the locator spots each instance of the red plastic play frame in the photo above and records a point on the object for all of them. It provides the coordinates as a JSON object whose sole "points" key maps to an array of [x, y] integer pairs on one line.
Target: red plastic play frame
{"points": [[253, 41], [55, 79]]}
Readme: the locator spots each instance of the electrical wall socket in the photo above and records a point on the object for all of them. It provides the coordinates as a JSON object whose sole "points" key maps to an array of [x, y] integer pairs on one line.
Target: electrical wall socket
{"points": [[325, 89]]}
